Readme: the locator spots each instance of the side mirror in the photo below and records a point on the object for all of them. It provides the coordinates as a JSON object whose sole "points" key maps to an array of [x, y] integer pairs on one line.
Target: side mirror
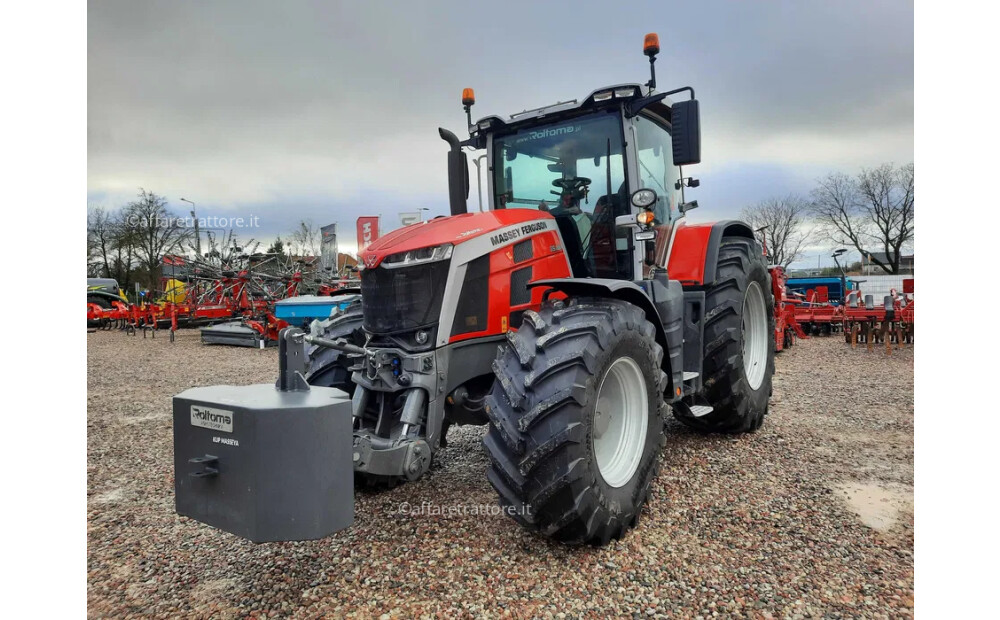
{"points": [[685, 131]]}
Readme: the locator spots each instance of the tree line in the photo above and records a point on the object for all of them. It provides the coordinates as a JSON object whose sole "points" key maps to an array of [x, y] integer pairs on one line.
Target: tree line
{"points": [[128, 243], [871, 212]]}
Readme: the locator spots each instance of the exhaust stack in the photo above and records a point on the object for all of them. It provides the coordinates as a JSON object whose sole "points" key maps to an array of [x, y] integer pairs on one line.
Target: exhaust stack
{"points": [[458, 173]]}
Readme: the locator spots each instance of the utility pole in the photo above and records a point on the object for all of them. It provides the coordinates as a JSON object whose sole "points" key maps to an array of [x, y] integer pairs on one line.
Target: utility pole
{"points": [[197, 236]]}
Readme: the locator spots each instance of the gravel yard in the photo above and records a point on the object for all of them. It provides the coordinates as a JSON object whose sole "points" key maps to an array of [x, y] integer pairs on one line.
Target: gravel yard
{"points": [[809, 517]]}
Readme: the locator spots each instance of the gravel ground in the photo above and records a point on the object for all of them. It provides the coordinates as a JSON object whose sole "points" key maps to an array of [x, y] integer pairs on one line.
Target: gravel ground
{"points": [[809, 517]]}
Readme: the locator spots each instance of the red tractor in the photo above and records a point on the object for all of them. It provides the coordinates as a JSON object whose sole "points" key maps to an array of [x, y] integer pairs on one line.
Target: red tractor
{"points": [[569, 316]]}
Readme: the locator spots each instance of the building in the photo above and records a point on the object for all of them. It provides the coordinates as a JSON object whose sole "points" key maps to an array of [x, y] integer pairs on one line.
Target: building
{"points": [[869, 267]]}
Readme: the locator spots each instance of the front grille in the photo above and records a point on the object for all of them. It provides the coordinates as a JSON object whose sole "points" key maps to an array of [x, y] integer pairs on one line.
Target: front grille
{"points": [[404, 298]]}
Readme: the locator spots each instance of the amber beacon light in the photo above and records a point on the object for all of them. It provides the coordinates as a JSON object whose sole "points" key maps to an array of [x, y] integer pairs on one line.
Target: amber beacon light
{"points": [[651, 46]]}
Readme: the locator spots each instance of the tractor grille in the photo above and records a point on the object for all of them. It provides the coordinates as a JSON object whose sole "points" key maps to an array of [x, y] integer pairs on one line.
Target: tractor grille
{"points": [[404, 298]]}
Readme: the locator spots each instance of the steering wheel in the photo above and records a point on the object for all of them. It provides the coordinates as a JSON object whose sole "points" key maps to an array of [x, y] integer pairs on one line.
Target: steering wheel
{"points": [[574, 185]]}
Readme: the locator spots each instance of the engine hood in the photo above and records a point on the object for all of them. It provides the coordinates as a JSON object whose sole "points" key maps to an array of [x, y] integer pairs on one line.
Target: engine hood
{"points": [[454, 229]]}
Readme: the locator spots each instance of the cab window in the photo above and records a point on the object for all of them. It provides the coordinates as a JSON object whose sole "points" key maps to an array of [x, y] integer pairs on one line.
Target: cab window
{"points": [[656, 167]]}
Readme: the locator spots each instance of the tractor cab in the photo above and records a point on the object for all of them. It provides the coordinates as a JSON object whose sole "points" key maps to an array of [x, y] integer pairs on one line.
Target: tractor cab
{"points": [[585, 162]]}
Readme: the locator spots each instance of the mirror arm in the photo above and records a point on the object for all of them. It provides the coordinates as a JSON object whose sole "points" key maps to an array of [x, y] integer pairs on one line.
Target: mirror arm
{"points": [[636, 105]]}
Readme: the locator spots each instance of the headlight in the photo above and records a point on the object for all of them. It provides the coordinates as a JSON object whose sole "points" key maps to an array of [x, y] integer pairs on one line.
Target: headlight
{"points": [[421, 337], [415, 257], [643, 198]]}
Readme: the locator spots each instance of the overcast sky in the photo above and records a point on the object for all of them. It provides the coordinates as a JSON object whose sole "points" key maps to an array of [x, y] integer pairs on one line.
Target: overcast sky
{"points": [[325, 111]]}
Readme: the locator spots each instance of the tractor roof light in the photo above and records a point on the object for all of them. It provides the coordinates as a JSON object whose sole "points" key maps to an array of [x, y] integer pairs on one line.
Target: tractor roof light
{"points": [[602, 96], [651, 45], [468, 100], [625, 92]]}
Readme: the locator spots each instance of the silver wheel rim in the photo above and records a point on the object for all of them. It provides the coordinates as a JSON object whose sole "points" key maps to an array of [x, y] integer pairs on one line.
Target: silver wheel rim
{"points": [[620, 420], [754, 335]]}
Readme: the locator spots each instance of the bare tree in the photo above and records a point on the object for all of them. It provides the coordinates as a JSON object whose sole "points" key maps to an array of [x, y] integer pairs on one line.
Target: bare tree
{"points": [[100, 242], [123, 257], [783, 221], [157, 231], [110, 245], [305, 240], [872, 212]]}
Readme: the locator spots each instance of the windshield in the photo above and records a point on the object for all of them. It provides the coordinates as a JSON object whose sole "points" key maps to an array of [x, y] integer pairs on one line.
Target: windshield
{"points": [[531, 163], [575, 170]]}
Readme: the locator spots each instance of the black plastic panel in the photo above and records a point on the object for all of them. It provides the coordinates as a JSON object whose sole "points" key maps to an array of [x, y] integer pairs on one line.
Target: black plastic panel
{"points": [[473, 303], [523, 251], [519, 293]]}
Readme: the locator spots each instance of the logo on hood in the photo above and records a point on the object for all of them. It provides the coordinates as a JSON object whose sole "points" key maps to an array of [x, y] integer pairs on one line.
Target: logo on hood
{"points": [[370, 260]]}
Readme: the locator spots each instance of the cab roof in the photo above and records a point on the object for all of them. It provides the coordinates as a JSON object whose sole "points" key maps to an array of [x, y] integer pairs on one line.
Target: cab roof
{"points": [[595, 100]]}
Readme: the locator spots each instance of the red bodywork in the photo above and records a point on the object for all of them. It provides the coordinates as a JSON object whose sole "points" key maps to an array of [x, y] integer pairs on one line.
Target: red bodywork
{"points": [[547, 261], [688, 253], [455, 230], [545, 264]]}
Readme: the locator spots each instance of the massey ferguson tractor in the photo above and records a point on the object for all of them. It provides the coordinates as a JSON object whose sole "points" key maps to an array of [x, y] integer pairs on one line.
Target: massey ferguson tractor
{"points": [[568, 314]]}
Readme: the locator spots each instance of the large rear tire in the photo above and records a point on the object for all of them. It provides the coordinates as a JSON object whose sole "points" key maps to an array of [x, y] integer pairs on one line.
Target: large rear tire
{"points": [[100, 300], [576, 419], [329, 367], [738, 363]]}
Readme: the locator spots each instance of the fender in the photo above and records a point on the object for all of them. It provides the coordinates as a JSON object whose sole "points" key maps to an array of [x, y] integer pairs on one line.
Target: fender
{"points": [[663, 305], [695, 250]]}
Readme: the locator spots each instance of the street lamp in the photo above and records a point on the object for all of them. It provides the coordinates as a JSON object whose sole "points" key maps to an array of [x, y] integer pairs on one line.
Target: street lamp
{"points": [[843, 274], [197, 236]]}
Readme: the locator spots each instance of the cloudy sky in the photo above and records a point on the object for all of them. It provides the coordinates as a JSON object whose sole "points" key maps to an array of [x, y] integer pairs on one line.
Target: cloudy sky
{"points": [[325, 111]]}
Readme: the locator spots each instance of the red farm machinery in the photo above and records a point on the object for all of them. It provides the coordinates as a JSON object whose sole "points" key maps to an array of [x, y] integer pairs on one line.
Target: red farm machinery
{"points": [[889, 322], [849, 310], [233, 303]]}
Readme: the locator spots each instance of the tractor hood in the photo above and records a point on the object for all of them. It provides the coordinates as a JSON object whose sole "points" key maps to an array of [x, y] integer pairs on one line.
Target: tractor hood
{"points": [[455, 229]]}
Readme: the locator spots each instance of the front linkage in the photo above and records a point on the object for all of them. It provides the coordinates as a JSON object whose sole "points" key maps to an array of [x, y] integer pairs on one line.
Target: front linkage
{"points": [[389, 407]]}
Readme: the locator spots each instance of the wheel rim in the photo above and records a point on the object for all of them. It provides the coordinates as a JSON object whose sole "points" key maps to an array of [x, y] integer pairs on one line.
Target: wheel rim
{"points": [[754, 335], [620, 421]]}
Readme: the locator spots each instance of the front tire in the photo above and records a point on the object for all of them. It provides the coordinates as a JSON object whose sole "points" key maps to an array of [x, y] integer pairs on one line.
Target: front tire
{"points": [[576, 419], [329, 367], [738, 363]]}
